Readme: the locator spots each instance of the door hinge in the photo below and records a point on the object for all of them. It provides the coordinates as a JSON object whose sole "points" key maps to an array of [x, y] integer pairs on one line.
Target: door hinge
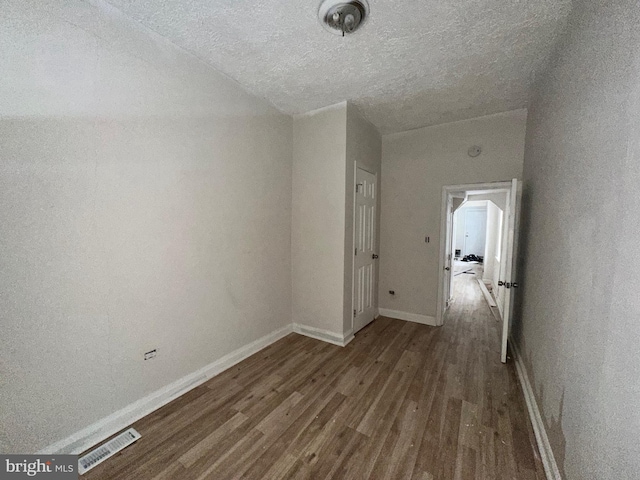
{"points": [[356, 252], [354, 314]]}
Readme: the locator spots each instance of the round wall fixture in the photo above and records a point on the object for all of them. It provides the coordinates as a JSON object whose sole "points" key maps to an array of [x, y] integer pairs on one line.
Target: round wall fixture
{"points": [[343, 17], [474, 151]]}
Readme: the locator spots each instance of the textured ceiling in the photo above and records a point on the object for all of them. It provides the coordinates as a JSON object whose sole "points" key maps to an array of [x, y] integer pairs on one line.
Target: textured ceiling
{"points": [[414, 63]]}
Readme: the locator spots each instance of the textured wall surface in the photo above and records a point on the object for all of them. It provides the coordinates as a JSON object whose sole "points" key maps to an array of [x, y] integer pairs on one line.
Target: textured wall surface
{"points": [[415, 167], [318, 218], [144, 203], [414, 63], [581, 309]]}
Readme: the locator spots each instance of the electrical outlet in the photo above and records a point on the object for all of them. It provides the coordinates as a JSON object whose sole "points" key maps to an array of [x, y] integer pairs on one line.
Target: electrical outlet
{"points": [[151, 354]]}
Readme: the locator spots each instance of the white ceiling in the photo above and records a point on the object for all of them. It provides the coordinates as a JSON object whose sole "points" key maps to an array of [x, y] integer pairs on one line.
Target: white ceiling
{"points": [[414, 63]]}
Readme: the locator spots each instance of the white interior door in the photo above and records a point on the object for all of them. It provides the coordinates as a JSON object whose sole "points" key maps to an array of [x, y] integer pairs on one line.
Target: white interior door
{"points": [[448, 264], [475, 231], [364, 254], [508, 281], [452, 226]]}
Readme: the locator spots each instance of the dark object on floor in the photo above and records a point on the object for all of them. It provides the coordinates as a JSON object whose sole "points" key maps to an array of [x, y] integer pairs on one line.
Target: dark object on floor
{"points": [[472, 258]]}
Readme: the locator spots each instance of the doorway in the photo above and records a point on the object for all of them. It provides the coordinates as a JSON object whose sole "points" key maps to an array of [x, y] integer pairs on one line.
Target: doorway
{"points": [[470, 240], [478, 241], [364, 264], [474, 228]]}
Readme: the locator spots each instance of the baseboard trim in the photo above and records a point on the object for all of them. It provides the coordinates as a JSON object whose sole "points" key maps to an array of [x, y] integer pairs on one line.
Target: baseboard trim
{"points": [[348, 337], [409, 317], [487, 295], [112, 424], [546, 453], [324, 335]]}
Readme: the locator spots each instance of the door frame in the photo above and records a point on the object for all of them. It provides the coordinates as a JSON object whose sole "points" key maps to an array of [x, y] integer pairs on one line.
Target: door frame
{"points": [[357, 166], [446, 232]]}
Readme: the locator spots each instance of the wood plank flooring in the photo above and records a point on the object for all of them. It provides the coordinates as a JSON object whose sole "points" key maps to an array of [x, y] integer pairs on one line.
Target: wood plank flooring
{"points": [[401, 401]]}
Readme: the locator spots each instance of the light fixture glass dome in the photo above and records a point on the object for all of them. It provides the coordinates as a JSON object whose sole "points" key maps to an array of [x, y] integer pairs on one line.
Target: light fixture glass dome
{"points": [[342, 18]]}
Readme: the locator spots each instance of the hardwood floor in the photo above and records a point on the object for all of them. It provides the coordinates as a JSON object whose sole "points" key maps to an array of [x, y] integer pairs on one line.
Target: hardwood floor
{"points": [[401, 401]]}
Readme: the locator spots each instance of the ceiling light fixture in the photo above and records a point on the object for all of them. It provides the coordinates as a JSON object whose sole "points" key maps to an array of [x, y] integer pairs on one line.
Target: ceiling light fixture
{"points": [[342, 17]]}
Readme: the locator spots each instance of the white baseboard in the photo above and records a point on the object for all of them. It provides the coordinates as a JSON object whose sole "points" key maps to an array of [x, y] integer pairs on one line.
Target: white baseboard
{"points": [[409, 317], [324, 335], [348, 337], [108, 426], [487, 295], [546, 454]]}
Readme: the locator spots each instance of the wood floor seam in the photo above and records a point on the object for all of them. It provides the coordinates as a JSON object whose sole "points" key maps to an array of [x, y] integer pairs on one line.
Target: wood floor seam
{"points": [[401, 401]]}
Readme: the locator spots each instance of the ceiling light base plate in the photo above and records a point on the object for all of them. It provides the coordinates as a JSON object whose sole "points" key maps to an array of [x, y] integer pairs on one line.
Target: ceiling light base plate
{"points": [[343, 17]]}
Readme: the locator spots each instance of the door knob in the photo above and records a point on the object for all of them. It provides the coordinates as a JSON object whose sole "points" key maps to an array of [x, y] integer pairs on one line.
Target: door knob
{"points": [[374, 256], [447, 268]]}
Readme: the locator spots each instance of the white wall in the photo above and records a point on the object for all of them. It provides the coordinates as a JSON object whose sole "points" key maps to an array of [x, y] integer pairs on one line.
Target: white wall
{"points": [[459, 220], [460, 226], [318, 219], [580, 320], [364, 148], [415, 167], [498, 198], [145, 202], [494, 230]]}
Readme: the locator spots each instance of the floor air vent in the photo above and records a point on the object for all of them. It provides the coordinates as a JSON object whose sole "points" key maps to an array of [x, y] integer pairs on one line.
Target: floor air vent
{"points": [[107, 450]]}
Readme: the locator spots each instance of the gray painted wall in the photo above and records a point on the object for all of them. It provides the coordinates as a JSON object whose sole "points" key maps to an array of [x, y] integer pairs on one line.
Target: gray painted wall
{"points": [[326, 143], [579, 328], [318, 218], [145, 202], [415, 167]]}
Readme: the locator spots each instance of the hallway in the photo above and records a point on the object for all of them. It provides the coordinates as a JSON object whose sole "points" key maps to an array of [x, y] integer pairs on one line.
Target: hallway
{"points": [[403, 400], [495, 437]]}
